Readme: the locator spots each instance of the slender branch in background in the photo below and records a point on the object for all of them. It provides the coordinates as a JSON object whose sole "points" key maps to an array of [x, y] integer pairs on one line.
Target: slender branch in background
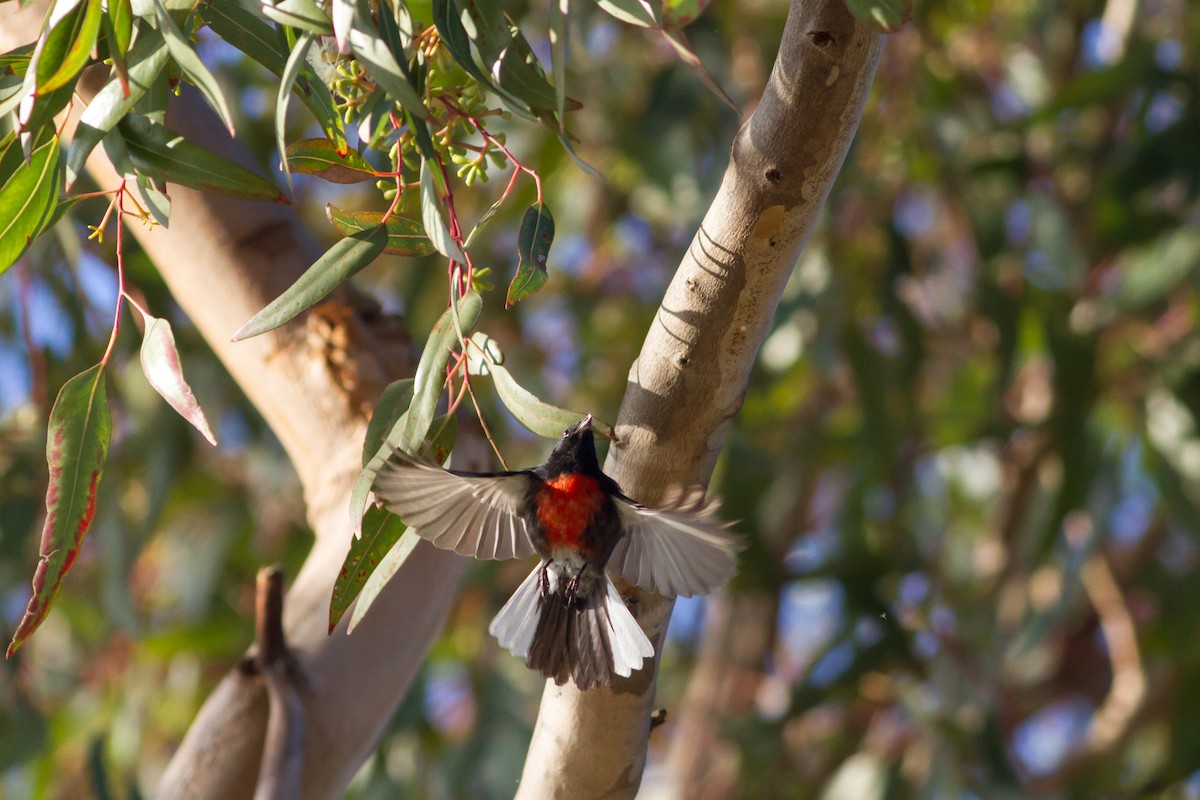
{"points": [[283, 747]]}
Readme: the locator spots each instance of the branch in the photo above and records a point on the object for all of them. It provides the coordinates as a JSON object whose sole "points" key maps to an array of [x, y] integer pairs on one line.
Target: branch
{"points": [[693, 370], [283, 748]]}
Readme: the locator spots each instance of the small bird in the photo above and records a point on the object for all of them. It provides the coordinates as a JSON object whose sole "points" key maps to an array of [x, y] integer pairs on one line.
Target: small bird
{"points": [[567, 619]]}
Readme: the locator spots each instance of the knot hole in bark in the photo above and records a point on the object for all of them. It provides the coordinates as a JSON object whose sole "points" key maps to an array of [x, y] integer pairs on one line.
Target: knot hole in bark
{"points": [[821, 39], [773, 175]]}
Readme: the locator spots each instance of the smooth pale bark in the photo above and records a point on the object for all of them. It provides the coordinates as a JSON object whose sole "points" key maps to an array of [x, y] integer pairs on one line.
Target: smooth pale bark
{"points": [[693, 370], [313, 381]]}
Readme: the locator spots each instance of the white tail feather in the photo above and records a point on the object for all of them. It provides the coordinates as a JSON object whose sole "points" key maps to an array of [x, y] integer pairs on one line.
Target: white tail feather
{"points": [[516, 623], [630, 647]]}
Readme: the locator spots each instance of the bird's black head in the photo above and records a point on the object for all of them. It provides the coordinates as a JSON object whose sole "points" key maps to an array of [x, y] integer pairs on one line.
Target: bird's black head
{"points": [[575, 451]]}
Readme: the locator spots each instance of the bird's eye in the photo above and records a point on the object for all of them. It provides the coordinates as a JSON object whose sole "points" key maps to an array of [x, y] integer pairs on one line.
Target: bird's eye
{"points": [[566, 433]]}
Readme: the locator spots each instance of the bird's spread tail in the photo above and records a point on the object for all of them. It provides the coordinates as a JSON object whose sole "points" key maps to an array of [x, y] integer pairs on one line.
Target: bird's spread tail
{"points": [[589, 639]]}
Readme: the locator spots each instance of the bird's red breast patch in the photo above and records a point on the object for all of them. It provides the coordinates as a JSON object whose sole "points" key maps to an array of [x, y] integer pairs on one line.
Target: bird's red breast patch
{"points": [[565, 506]]}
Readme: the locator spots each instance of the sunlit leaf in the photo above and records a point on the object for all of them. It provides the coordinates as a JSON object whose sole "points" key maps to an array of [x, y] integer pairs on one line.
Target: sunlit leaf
{"points": [[889, 15], [320, 157], [303, 15], [112, 103], [341, 13], [558, 57], [339, 263], [69, 44], [406, 237], [533, 247], [291, 71], [160, 363], [181, 50], [76, 449], [633, 12], [120, 16], [538, 416], [158, 151], [26, 199], [431, 215]]}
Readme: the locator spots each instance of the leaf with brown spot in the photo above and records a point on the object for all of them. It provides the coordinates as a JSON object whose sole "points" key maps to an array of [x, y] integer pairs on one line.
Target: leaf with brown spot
{"points": [[380, 530], [406, 237], [320, 157], [76, 448]]}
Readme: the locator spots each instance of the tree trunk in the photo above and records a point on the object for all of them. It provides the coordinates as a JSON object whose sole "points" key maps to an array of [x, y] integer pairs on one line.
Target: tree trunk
{"points": [[694, 367]]}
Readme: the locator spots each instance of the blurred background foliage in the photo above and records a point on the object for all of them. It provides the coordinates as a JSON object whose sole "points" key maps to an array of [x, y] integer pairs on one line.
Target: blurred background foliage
{"points": [[968, 462]]}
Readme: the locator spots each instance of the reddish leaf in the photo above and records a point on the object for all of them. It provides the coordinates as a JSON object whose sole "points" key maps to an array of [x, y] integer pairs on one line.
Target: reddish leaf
{"points": [[320, 157], [76, 447], [406, 237], [160, 362]]}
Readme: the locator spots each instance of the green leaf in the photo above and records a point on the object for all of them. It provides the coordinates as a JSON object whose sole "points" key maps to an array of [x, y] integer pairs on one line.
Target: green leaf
{"points": [[341, 13], [68, 46], [76, 449], [448, 18], [540, 417], [406, 237], [291, 72], [679, 13], [558, 58], [304, 15], [340, 262], [1149, 273], [889, 15], [120, 16], [380, 531], [320, 157], [393, 402], [387, 422], [431, 370], [258, 40], [440, 445], [376, 56], [157, 151], [684, 51], [26, 200], [191, 65], [160, 363], [111, 103], [533, 247], [507, 54], [387, 569], [633, 12], [431, 215]]}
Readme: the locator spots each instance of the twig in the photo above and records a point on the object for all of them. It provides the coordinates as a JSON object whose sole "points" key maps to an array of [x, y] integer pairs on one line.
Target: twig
{"points": [[283, 744]]}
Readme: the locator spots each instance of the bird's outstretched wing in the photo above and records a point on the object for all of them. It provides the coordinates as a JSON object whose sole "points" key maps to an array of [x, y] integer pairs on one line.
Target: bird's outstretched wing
{"points": [[473, 514], [682, 548]]}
